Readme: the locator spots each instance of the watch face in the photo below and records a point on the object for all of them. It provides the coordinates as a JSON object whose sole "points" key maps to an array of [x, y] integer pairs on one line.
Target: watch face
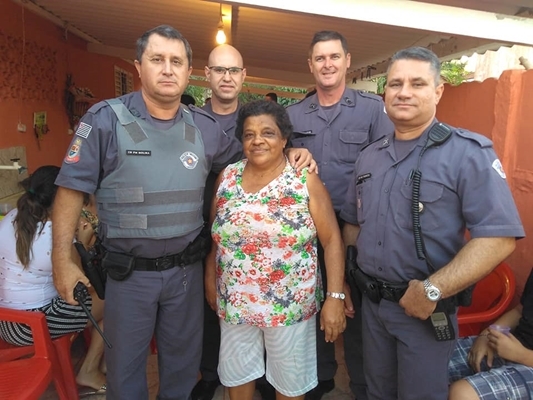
{"points": [[433, 294]]}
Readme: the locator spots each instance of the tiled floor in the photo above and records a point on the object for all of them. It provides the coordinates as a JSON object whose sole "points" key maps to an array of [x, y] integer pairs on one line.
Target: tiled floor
{"points": [[341, 391]]}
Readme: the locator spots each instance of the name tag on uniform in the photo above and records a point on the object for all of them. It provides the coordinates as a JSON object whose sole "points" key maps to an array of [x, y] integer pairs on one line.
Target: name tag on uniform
{"points": [[364, 177], [138, 152]]}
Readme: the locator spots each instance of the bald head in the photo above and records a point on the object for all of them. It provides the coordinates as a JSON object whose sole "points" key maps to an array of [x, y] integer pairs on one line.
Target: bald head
{"points": [[225, 52], [225, 73]]}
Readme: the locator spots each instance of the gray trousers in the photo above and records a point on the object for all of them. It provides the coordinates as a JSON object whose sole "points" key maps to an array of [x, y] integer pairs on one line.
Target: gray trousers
{"points": [[169, 303], [402, 359]]}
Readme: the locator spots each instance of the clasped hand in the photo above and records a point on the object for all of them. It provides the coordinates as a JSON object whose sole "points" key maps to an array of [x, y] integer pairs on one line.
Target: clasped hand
{"points": [[332, 319], [415, 303]]}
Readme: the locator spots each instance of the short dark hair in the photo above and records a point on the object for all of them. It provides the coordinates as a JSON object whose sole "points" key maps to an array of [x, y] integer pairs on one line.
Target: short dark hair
{"points": [[165, 31], [273, 96], [264, 107], [326, 36], [420, 54]]}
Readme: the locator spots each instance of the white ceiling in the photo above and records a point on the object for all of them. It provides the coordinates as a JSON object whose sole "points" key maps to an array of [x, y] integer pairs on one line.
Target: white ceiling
{"points": [[273, 42]]}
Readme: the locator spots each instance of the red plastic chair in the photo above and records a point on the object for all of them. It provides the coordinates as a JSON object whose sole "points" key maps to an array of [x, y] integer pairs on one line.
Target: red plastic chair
{"points": [[28, 378], [62, 371], [492, 295]]}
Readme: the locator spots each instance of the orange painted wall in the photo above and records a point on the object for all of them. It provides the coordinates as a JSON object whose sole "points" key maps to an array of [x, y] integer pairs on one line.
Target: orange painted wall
{"points": [[469, 106], [502, 110], [89, 70]]}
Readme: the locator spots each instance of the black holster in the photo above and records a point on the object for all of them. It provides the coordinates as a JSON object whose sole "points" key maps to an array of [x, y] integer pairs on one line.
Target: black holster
{"points": [[350, 266], [198, 249], [367, 285], [91, 261]]}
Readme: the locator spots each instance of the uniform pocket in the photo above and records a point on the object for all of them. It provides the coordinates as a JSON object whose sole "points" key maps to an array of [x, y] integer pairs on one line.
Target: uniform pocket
{"points": [[430, 194], [350, 144]]}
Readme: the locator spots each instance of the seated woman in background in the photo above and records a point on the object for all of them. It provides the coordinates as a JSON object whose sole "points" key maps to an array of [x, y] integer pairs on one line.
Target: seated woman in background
{"points": [[497, 364], [262, 273], [26, 281]]}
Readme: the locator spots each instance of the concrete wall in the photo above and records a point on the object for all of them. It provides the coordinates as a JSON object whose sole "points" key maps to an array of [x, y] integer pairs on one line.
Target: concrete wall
{"points": [[503, 111]]}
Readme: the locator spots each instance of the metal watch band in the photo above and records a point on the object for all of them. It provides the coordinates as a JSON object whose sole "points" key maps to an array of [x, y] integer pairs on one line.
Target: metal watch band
{"points": [[336, 295]]}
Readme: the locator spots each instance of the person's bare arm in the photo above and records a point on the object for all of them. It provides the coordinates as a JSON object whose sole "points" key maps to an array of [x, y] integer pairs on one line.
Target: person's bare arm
{"points": [[65, 218], [475, 260], [350, 233], [481, 349], [210, 276], [332, 320]]}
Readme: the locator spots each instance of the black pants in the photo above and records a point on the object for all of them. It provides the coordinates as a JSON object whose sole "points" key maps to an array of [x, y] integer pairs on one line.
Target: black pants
{"points": [[210, 344], [353, 342]]}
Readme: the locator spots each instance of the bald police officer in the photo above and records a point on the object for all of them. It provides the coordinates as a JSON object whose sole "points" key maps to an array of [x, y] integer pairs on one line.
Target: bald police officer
{"points": [[225, 73], [334, 124], [147, 159], [451, 180]]}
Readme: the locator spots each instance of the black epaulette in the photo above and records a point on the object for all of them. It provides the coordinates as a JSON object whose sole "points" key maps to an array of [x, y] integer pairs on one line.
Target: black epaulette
{"points": [[483, 141]]}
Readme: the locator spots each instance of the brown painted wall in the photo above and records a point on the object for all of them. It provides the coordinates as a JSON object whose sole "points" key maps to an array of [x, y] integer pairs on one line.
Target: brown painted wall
{"points": [[49, 56], [502, 110]]}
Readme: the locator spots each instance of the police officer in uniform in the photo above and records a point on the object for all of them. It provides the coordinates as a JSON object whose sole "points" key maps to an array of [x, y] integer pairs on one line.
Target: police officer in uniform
{"points": [[334, 124], [409, 316], [225, 74], [147, 159]]}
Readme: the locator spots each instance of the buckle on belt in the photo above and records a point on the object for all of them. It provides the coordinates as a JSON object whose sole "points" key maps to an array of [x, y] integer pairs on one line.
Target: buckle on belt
{"points": [[164, 263]]}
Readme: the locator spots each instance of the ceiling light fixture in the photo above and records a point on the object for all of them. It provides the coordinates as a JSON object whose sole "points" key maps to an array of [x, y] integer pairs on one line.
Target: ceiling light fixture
{"points": [[221, 36]]}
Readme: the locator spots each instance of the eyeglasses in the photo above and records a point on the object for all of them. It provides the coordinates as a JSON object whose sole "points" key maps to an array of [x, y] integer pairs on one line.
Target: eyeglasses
{"points": [[223, 70]]}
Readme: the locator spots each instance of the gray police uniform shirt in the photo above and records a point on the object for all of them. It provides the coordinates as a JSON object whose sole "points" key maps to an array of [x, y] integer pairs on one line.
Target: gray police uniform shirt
{"points": [[93, 155], [335, 142], [227, 122], [463, 186]]}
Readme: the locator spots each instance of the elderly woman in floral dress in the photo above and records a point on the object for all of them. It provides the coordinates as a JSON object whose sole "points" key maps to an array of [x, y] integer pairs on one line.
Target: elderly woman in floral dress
{"points": [[262, 273]]}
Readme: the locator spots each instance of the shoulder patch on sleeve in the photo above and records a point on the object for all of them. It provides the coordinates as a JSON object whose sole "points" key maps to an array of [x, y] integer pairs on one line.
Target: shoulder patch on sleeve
{"points": [[96, 107], [498, 167], [483, 141]]}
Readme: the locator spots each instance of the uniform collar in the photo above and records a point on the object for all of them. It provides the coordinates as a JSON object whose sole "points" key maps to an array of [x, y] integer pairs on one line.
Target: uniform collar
{"points": [[138, 109], [209, 109], [347, 100], [387, 142]]}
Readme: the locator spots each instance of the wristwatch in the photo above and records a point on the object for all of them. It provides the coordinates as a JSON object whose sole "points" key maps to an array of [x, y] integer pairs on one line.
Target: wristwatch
{"points": [[432, 292], [336, 295]]}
